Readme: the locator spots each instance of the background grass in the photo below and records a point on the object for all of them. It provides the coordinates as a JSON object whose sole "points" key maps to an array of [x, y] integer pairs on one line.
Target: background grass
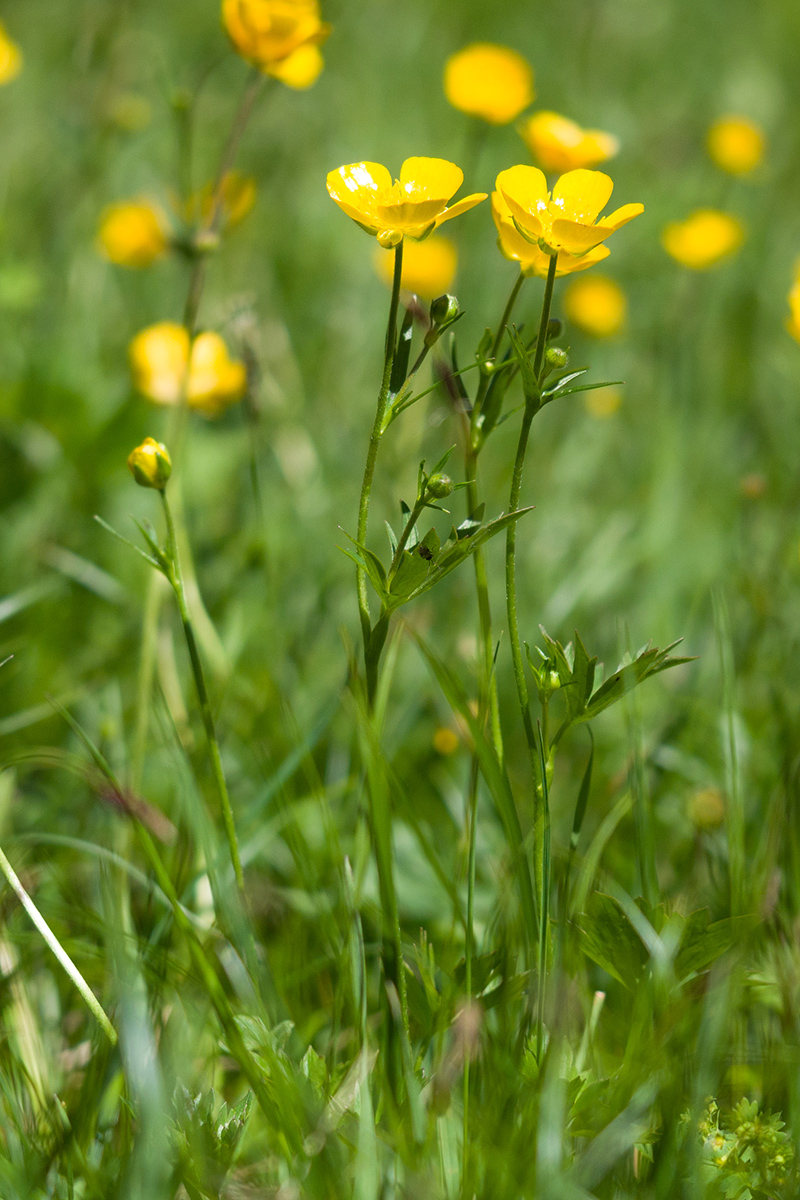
{"points": [[641, 529]]}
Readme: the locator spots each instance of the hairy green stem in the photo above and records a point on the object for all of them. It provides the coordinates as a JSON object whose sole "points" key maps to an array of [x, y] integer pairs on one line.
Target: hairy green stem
{"points": [[202, 695], [375, 439]]}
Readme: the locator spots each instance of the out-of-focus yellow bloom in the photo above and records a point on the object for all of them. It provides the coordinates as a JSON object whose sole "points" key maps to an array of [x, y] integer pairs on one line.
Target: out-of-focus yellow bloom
{"points": [[531, 259], [561, 145], [567, 219], [736, 144], [489, 81], [132, 233], [597, 305], [150, 464], [793, 320], [429, 267], [706, 808], [276, 35], [237, 197], [10, 57], [705, 238], [445, 741], [602, 403], [413, 206], [163, 367]]}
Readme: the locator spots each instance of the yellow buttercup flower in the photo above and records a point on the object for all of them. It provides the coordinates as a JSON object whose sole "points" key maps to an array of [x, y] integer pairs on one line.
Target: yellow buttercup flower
{"points": [[413, 206], [163, 368], [132, 233], [568, 218], [561, 145], [488, 81], [10, 57], [705, 238], [736, 144], [429, 267], [150, 464], [532, 259], [276, 36], [597, 305]]}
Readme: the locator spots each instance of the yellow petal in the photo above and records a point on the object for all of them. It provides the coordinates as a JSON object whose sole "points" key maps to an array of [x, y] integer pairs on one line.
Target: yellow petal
{"points": [[580, 196], [159, 356], [576, 238], [10, 57], [561, 145], [736, 144], [461, 206], [703, 239], [429, 178], [524, 190], [301, 69], [358, 188], [488, 81], [597, 305], [621, 216]]}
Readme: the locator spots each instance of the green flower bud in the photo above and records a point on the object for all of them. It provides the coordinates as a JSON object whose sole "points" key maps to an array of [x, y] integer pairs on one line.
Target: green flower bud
{"points": [[556, 357], [444, 310], [150, 464], [440, 486], [554, 328]]}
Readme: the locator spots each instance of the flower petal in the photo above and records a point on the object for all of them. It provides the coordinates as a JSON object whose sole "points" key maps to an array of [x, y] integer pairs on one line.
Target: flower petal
{"points": [[581, 195], [357, 188], [621, 216], [430, 178], [461, 206], [576, 238], [524, 190]]}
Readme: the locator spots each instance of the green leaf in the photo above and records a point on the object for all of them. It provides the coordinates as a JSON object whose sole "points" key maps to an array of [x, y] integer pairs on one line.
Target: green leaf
{"points": [[402, 353], [561, 381], [530, 388], [415, 566], [703, 943], [607, 938], [628, 675]]}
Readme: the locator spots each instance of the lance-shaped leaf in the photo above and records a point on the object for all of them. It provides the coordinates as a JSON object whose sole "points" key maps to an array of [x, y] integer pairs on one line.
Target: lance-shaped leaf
{"points": [[402, 353], [628, 675], [530, 388]]}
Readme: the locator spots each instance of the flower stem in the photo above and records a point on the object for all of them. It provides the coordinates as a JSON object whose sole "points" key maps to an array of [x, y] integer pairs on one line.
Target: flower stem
{"points": [[202, 694], [59, 951], [375, 438]]}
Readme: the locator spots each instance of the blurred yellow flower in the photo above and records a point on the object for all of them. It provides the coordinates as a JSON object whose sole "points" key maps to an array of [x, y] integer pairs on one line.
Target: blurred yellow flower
{"points": [[429, 267], [561, 145], [602, 403], [489, 81], [10, 57], [705, 238], [413, 206], [597, 305], [132, 233], [531, 259], [276, 35], [150, 464], [567, 219], [793, 320], [445, 741], [162, 368], [237, 197], [736, 144], [706, 808]]}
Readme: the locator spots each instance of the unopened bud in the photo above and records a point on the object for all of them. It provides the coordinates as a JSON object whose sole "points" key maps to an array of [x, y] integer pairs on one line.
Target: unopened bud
{"points": [[556, 357], [389, 238], [150, 464], [440, 486], [554, 328], [444, 310]]}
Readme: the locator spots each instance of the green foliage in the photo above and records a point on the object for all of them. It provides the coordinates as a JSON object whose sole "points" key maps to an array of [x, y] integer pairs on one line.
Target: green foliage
{"points": [[747, 1154]]}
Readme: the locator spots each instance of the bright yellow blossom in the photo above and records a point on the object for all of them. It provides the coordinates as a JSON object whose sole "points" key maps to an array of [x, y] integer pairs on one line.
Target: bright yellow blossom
{"points": [[487, 81], [445, 741], [163, 368], [597, 305], [429, 267], [132, 233], [567, 218], [533, 260], [560, 145], [150, 464], [277, 35], [703, 239], [10, 57], [736, 144], [413, 206]]}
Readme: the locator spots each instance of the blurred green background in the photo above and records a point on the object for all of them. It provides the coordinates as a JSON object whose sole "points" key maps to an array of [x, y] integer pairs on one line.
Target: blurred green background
{"points": [[642, 528]]}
